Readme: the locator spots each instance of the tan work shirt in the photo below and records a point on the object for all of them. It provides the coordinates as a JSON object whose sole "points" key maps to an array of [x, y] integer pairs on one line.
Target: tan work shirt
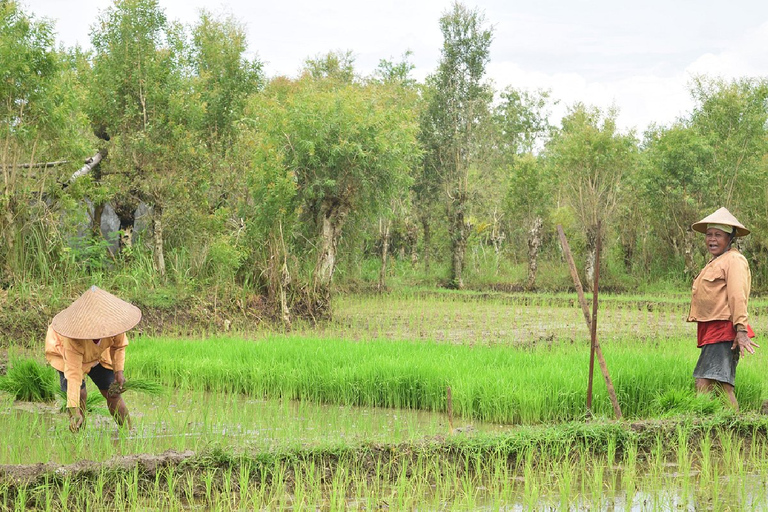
{"points": [[721, 290], [75, 358]]}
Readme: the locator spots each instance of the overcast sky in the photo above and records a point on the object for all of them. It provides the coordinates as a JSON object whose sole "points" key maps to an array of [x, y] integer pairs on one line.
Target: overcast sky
{"points": [[638, 56]]}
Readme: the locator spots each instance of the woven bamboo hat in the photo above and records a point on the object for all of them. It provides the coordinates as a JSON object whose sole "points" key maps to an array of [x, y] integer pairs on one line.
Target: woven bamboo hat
{"points": [[96, 314], [721, 216]]}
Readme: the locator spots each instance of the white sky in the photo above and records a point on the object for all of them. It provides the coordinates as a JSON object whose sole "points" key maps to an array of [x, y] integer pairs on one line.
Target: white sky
{"points": [[638, 56]]}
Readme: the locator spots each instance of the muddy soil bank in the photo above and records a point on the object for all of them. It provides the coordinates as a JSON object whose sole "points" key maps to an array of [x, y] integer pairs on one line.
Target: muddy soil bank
{"points": [[463, 448], [23, 322]]}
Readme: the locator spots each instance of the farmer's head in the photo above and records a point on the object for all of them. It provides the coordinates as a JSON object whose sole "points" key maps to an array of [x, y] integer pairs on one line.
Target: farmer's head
{"points": [[720, 228]]}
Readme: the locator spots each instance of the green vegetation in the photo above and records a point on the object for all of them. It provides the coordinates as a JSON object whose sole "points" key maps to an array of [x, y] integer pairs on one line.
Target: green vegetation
{"points": [[600, 465], [229, 185], [353, 412], [491, 384], [249, 202], [30, 381]]}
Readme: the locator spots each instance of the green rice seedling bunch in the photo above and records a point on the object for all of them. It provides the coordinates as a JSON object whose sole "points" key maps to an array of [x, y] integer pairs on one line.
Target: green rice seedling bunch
{"points": [[30, 381], [139, 385]]}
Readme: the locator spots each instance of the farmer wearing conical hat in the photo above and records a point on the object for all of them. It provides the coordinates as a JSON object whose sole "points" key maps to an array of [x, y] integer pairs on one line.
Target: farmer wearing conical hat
{"points": [[719, 306], [89, 338]]}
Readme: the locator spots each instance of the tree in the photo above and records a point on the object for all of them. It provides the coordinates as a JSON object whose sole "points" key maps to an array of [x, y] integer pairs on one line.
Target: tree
{"points": [[401, 90], [223, 76], [39, 123], [337, 66], [675, 186], [521, 119], [349, 149], [713, 158], [140, 100], [591, 156], [528, 199], [456, 104]]}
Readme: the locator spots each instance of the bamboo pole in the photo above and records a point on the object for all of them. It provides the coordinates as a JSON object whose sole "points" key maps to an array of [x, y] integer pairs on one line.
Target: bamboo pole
{"points": [[593, 325], [585, 310]]}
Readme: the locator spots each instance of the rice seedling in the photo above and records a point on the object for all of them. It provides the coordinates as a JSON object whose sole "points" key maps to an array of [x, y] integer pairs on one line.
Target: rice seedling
{"points": [[492, 384], [269, 404], [138, 385], [30, 381]]}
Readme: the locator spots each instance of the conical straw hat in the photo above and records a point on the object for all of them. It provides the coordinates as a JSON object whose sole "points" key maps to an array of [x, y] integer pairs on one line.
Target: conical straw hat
{"points": [[721, 216], [96, 314]]}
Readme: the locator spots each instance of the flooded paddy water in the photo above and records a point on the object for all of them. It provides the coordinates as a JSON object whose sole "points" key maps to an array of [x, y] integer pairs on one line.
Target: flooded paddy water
{"points": [[189, 420], [195, 450]]}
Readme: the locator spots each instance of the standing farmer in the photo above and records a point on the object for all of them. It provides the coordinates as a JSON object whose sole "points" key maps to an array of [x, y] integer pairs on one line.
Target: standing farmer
{"points": [[719, 306], [89, 338]]}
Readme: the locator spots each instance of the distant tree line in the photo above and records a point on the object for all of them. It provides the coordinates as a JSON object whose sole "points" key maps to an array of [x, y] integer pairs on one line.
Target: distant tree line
{"points": [[278, 183]]}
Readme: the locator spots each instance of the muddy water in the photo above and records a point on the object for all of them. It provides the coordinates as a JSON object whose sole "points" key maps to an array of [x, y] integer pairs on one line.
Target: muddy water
{"points": [[38, 433]]}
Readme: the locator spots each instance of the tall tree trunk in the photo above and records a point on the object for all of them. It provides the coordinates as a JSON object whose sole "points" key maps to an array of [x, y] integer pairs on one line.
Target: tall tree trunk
{"points": [[333, 213], [98, 211], [534, 243], [384, 225], [279, 276], [425, 226], [689, 247], [157, 225], [459, 235], [412, 235], [589, 269]]}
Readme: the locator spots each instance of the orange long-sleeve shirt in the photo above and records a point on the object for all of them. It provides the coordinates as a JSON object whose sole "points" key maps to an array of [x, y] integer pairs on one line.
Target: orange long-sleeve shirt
{"points": [[75, 358], [721, 290]]}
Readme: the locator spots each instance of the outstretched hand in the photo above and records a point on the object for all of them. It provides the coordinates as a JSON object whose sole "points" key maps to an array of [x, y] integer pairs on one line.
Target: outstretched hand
{"points": [[744, 343]]}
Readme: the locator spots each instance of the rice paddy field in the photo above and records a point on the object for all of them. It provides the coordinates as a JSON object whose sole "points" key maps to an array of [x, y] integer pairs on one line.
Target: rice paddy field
{"points": [[415, 401]]}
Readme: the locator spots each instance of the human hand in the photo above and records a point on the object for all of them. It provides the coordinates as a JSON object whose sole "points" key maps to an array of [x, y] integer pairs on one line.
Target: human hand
{"points": [[118, 386], [744, 343], [76, 418]]}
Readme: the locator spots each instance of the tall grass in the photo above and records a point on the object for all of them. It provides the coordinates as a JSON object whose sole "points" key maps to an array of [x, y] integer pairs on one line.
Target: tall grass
{"points": [[493, 384]]}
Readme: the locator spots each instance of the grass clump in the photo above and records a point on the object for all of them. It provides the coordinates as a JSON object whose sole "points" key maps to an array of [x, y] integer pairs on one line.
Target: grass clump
{"points": [[30, 381], [674, 402]]}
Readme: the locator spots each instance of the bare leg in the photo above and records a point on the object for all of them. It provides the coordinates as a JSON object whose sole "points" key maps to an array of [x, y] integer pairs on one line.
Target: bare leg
{"points": [[83, 403], [705, 385], [729, 391], [117, 409], [709, 385]]}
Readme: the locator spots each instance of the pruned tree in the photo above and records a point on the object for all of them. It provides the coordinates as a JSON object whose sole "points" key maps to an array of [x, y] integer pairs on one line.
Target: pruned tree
{"points": [[140, 98], [457, 101], [529, 201], [348, 149], [590, 155]]}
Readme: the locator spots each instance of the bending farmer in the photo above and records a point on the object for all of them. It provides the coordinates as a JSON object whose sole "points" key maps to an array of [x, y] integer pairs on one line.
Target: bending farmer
{"points": [[89, 338], [719, 306]]}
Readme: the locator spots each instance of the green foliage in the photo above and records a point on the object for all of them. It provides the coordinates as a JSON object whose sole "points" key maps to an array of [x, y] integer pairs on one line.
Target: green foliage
{"points": [[30, 381], [523, 119], [40, 120], [591, 156], [457, 107], [224, 77]]}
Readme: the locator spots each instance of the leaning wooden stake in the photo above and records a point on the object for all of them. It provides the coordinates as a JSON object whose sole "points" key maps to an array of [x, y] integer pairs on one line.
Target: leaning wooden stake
{"points": [[593, 325], [585, 310]]}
